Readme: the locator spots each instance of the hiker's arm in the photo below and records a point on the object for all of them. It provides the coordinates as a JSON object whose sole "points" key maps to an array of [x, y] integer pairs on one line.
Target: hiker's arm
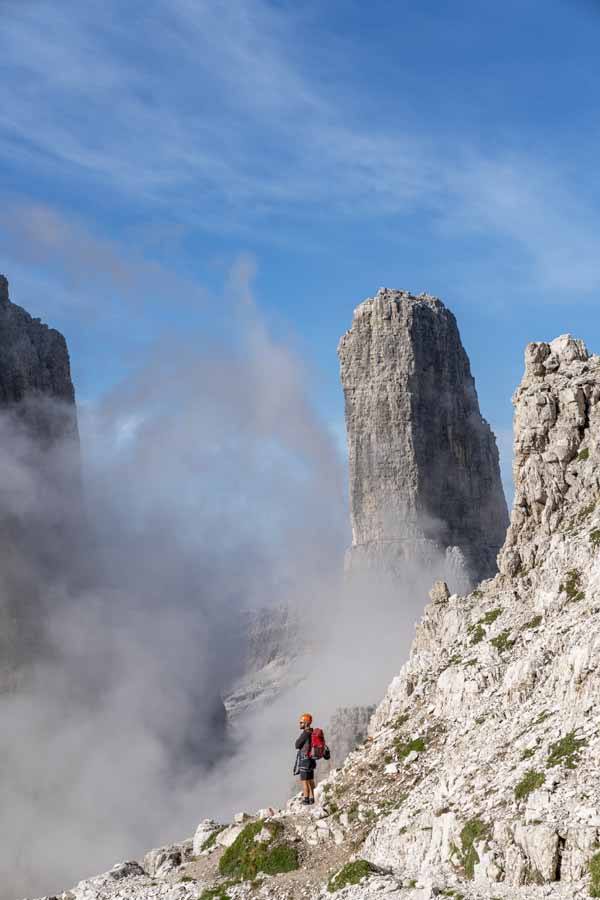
{"points": [[301, 741]]}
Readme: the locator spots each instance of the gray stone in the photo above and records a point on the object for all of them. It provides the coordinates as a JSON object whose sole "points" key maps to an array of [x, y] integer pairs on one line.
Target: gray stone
{"points": [[424, 470], [35, 375]]}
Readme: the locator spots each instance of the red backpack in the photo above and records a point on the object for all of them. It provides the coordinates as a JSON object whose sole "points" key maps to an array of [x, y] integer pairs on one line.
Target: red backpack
{"points": [[317, 743]]}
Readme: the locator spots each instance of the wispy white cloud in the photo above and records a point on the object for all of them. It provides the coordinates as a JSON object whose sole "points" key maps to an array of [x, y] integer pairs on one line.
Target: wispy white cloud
{"points": [[219, 113], [92, 265]]}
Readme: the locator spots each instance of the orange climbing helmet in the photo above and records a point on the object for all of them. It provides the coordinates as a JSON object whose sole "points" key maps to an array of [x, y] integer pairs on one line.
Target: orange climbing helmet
{"points": [[306, 719]]}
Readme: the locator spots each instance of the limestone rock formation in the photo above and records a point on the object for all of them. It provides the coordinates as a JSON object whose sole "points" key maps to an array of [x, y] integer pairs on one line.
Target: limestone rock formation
{"points": [[424, 471], [556, 430], [35, 376], [347, 729]]}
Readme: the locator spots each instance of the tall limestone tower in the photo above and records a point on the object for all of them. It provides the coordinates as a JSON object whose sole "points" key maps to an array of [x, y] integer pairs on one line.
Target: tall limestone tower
{"points": [[424, 472]]}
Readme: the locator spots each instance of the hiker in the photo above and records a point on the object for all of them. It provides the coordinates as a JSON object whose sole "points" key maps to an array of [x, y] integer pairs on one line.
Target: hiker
{"points": [[311, 747], [305, 764]]}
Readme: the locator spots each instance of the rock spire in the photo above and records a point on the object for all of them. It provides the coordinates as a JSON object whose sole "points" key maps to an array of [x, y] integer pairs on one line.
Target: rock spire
{"points": [[424, 471]]}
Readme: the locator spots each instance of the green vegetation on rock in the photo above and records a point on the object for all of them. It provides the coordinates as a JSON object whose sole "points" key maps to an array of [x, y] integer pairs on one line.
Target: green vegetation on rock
{"points": [[477, 633], [572, 586], [533, 623], [595, 538], [491, 616], [474, 831], [502, 641], [403, 748], [247, 857], [216, 893], [583, 454], [527, 754], [595, 875], [566, 751], [210, 840], [530, 781], [352, 873]]}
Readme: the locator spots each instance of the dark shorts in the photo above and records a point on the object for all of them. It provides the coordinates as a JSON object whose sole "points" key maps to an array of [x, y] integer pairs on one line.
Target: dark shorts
{"points": [[307, 769]]}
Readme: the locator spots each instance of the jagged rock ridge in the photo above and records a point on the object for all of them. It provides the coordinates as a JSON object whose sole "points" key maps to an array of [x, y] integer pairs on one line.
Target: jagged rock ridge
{"points": [[424, 471]]}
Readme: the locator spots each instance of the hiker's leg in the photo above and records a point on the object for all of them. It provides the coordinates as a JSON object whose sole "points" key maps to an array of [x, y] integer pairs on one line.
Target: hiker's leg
{"points": [[311, 787], [305, 787]]}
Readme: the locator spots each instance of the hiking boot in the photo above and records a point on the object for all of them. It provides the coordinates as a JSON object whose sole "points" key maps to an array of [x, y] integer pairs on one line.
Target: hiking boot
{"points": [[306, 802], [311, 800]]}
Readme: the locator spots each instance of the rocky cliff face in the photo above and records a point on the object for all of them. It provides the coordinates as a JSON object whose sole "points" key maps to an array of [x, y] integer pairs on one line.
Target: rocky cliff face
{"points": [[424, 472], [479, 779], [271, 638], [39, 475], [35, 376]]}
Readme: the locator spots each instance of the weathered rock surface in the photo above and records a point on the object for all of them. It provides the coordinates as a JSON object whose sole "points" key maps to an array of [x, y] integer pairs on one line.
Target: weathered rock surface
{"points": [[35, 375], [271, 641], [424, 471], [347, 729]]}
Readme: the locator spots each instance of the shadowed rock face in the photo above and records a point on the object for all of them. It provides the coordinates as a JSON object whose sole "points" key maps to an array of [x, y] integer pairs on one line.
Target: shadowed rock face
{"points": [[424, 470], [40, 487], [35, 374]]}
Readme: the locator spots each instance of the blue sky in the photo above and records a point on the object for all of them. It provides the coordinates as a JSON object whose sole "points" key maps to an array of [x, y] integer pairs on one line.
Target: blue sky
{"points": [[154, 152]]}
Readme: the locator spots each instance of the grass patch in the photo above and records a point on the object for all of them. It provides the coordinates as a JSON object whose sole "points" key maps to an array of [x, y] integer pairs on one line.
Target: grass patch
{"points": [[473, 832], [566, 751], [403, 748], [572, 586], [247, 857], [595, 875], [527, 754], [216, 893], [491, 616], [583, 455], [210, 840], [533, 623], [595, 538], [530, 781], [351, 873], [477, 633], [502, 641]]}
